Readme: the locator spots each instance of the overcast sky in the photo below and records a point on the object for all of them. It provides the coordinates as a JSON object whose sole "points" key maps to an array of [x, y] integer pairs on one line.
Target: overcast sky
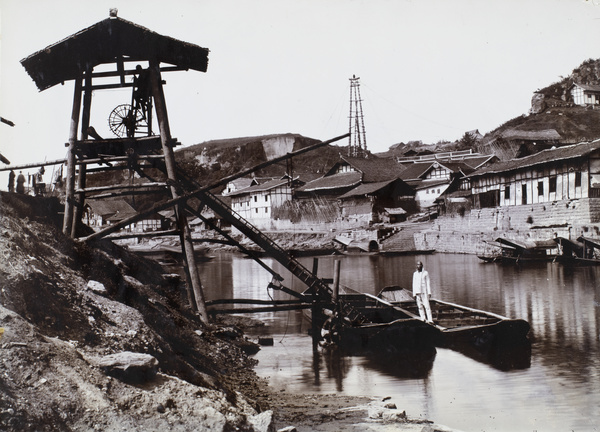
{"points": [[429, 70]]}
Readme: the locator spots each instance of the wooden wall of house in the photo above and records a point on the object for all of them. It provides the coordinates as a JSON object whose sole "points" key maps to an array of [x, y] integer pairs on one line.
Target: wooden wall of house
{"points": [[544, 184]]}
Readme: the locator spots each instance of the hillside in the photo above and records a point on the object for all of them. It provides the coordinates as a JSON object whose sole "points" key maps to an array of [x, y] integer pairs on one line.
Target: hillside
{"points": [[211, 161], [551, 108], [66, 305]]}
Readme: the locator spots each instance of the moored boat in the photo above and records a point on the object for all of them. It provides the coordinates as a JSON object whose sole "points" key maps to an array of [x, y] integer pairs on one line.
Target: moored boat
{"points": [[390, 323], [457, 323], [582, 252], [520, 252]]}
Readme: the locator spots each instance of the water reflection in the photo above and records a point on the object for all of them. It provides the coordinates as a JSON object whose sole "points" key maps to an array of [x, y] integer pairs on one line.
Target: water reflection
{"points": [[554, 386]]}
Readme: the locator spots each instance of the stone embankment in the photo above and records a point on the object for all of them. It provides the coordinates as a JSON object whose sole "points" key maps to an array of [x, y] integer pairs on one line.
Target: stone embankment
{"points": [[464, 234], [537, 222]]}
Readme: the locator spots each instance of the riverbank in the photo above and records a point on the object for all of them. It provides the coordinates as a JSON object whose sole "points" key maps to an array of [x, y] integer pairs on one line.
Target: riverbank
{"points": [[68, 308]]}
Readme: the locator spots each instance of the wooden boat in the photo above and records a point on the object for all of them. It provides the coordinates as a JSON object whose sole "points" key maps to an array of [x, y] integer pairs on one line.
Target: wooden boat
{"points": [[520, 252], [364, 324], [582, 252], [390, 323], [460, 323], [484, 336]]}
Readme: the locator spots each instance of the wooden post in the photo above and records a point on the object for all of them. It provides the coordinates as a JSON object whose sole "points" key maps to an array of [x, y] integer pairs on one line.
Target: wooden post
{"points": [[315, 312], [315, 268], [336, 281], [187, 246], [70, 186], [85, 123]]}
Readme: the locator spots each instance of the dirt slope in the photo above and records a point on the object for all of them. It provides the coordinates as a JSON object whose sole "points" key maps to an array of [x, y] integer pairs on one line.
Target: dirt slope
{"points": [[56, 328]]}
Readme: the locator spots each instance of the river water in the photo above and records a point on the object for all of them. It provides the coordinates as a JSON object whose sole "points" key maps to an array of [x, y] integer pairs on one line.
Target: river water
{"points": [[556, 389]]}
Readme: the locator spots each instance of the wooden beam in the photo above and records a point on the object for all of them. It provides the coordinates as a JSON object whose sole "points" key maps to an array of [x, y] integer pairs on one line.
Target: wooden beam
{"points": [[108, 159], [35, 165], [70, 183], [117, 236], [128, 193], [117, 73], [260, 309], [85, 124], [117, 187], [255, 301], [212, 240], [118, 167], [195, 291]]}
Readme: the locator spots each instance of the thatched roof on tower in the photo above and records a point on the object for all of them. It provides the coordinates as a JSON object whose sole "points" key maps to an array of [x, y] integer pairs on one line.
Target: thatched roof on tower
{"points": [[109, 41]]}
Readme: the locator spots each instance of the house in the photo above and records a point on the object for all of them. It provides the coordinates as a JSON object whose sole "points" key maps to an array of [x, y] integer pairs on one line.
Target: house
{"points": [[431, 179], [515, 143], [256, 203], [238, 184], [475, 134], [358, 189], [386, 201], [585, 94], [347, 174], [565, 178], [329, 187], [104, 212], [99, 213]]}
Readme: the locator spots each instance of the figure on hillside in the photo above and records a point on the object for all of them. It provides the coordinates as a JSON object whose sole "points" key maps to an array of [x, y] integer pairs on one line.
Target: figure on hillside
{"points": [[39, 187], [21, 183], [11, 181], [422, 292]]}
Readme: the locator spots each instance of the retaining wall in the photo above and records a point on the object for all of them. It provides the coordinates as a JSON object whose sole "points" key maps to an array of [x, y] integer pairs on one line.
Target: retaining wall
{"points": [[466, 234]]}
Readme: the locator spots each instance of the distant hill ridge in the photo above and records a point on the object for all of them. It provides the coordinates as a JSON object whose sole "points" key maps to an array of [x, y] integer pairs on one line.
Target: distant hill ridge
{"points": [[553, 116]]}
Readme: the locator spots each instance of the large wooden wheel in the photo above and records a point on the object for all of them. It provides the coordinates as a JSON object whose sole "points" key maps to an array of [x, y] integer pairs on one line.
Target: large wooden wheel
{"points": [[124, 121]]}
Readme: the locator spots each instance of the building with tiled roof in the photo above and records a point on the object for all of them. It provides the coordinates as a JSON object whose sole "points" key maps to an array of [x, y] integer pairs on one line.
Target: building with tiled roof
{"points": [[378, 202], [363, 186], [99, 213], [372, 169], [256, 203], [585, 94], [349, 172], [549, 177], [431, 179], [516, 143]]}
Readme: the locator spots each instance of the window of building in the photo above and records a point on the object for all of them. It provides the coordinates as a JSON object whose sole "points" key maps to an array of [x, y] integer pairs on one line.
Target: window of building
{"points": [[266, 198], [524, 194], [256, 210], [255, 198], [506, 192], [577, 179], [540, 188], [552, 185]]}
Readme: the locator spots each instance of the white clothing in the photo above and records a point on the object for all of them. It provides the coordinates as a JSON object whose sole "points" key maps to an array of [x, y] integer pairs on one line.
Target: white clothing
{"points": [[422, 292], [421, 283]]}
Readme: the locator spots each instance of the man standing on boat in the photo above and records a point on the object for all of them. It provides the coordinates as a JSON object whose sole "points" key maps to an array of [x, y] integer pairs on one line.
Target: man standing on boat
{"points": [[422, 292]]}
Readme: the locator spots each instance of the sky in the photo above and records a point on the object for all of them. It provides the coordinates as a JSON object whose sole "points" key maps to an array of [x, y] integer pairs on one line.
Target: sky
{"points": [[429, 70]]}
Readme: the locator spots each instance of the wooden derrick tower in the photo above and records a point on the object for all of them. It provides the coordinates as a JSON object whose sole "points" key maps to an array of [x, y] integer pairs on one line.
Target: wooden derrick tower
{"points": [[357, 142], [111, 54]]}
